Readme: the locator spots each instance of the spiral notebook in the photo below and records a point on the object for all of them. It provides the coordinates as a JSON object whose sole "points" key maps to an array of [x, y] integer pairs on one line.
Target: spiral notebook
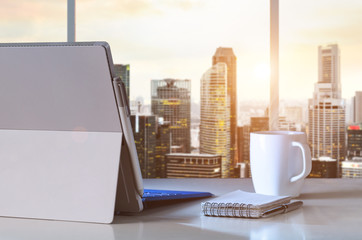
{"points": [[242, 204]]}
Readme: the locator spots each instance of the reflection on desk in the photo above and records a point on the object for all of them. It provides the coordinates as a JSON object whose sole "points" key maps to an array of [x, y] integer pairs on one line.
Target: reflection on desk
{"points": [[332, 210], [31, 229]]}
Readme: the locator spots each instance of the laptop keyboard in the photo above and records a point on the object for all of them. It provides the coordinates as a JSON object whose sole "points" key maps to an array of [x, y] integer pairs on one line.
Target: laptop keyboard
{"points": [[159, 195]]}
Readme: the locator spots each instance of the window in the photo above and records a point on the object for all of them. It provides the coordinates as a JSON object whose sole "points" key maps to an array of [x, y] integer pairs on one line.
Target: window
{"points": [[179, 39]]}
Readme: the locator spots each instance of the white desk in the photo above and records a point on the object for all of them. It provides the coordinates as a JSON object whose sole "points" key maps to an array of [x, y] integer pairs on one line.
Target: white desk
{"points": [[332, 210]]}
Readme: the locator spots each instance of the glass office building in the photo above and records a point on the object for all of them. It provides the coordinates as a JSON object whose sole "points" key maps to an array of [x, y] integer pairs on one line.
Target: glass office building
{"points": [[327, 128], [357, 107], [171, 103], [122, 70], [244, 150], [163, 147], [227, 56], [152, 141], [354, 141], [144, 131], [329, 69], [326, 111], [214, 119]]}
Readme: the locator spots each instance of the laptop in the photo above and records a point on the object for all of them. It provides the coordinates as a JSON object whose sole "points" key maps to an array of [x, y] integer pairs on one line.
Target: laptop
{"points": [[67, 150]]}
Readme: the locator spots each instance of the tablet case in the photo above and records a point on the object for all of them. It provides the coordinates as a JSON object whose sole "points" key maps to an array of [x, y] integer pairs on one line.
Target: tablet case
{"points": [[60, 133]]}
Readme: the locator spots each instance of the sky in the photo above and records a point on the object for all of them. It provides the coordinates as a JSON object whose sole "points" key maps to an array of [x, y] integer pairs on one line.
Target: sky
{"points": [[177, 38]]}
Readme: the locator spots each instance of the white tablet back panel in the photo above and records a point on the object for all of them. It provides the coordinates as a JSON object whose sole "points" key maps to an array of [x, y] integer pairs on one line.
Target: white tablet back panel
{"points": [[60, 134]]}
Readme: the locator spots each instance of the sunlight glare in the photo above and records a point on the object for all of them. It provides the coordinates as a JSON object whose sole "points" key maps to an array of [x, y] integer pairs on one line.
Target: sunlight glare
{"points": [[262, 72]]}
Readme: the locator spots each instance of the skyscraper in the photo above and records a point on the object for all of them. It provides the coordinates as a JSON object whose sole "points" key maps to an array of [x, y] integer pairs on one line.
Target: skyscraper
{"points": [[354, 142], [171, 102], [144, 131], [163, 141], [227, 56], [244, 143], [122, 70], [329, 78], [326, 111], [152, 141], [352, 167], [215, 116], [259, 124], [357, 107], [244, 150]]}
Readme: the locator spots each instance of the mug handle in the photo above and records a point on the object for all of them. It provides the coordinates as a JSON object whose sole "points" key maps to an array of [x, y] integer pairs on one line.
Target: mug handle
{"points": [[306, 161]]}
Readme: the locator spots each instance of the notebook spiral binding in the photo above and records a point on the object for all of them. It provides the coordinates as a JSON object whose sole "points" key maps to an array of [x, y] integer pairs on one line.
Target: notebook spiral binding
{"points": [[227, 209]]}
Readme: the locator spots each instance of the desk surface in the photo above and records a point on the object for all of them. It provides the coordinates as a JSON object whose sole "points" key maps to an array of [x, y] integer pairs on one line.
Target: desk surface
{"points": [[332, 210]]}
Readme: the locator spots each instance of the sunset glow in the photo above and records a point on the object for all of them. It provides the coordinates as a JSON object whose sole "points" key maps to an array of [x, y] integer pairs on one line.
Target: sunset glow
{"points": [[262, 72], [162, 39]]}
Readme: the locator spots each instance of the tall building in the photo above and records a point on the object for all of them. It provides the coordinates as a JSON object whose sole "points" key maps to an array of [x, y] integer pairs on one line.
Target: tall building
{"points": [[357, 107], [163, 141], [329, 78], [227, 56], [354, 141], [144, 131], [324, 167], [215, 116], [286, 125], [259, 124], [244, 150], [352, 167], [256, 124], [152, 141], [326, 110], [185, 165], [244, 143], [327, 128], [122, 70], [171, 103]]}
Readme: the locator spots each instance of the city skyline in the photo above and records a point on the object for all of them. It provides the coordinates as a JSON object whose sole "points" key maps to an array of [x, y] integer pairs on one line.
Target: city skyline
{"points": [[160, 52], [161, 39]]}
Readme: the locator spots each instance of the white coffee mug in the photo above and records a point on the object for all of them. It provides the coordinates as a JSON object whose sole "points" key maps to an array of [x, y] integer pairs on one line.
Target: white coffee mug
{"points": [[280, 161]]}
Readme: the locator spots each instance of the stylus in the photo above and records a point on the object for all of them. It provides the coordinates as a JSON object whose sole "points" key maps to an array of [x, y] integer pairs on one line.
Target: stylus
{"points": [[284, 208], [125, 114]]}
